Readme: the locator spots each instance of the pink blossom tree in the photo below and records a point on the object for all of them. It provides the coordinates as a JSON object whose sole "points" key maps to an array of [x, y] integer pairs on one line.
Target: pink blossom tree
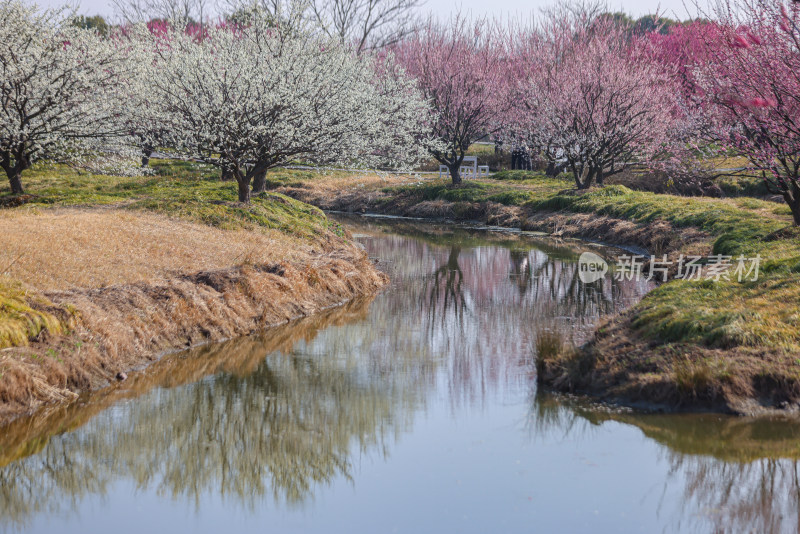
{"points": [[751, 76], [682, 48], [461, 71], [591, 97]]}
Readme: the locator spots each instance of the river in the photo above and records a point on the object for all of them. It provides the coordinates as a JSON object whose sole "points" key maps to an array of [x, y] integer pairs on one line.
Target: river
{"points": [[413, 411]]}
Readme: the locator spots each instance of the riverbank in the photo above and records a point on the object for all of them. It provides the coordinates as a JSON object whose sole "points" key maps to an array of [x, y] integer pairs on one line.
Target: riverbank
{"points": [[724, 346], [101, 275]]}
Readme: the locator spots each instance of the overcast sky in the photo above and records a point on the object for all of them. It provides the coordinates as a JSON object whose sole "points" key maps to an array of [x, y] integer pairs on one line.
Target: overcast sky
{"points": [[443, 8]]}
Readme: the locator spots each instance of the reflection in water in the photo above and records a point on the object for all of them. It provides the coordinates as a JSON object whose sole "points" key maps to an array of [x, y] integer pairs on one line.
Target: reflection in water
{"points": [[277, 418], [275, 425], [759, 496], [445, 290], [239, 357], [470, 311], [737, 474]]}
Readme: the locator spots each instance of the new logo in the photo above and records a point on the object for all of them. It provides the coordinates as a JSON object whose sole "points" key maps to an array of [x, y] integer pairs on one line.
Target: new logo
{"points": [[591, 267]]}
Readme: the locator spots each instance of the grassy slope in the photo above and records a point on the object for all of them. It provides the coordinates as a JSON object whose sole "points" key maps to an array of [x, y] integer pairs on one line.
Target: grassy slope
{"points": [[24, 317], [184, 190], [187, 190]]}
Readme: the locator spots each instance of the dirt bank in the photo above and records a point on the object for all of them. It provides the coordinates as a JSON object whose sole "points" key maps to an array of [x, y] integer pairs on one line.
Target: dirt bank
{"points": [[619, 366], [84, 338], [658, 237]]}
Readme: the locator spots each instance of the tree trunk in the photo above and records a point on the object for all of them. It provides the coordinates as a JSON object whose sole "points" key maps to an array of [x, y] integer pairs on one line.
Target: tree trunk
{"points": [[15, 180], [260, 182], [589, 180], [146, 157], [554, 169], [792, 198], [584, 181], [244, 190], [577, 175], [455, 173]]}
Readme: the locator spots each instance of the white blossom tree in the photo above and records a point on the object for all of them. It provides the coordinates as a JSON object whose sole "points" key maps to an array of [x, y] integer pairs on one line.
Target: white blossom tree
{"points": [[254, 97], [61, 91]]}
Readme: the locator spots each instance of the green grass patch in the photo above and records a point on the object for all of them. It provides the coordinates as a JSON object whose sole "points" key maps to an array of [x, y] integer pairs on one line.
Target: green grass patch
{"points": [[180, 189], [742, 186], [516, 176], [531, 177], [485, 190], [739, 226], [724, 314], [736, 229]]}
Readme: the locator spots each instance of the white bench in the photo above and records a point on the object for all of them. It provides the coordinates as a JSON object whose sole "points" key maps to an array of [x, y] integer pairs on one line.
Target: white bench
{"points": [[471, 170]]}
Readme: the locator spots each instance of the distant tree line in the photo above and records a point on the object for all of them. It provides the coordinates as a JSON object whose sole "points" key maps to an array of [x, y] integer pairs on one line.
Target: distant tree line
{"points": [[584, 89]]}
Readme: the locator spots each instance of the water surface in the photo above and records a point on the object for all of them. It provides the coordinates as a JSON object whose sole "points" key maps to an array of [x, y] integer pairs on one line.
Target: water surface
{"points": [[415, 411]]}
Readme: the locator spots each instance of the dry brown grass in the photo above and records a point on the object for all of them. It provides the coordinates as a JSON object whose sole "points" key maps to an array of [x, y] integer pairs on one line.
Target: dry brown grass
{"points": [[134, 285], [68, 248], [124, 327], [342, 181]]}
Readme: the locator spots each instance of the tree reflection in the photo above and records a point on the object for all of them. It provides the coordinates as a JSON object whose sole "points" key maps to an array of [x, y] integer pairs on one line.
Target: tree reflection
{"points": [[757, 496], [736, 474], [521, 272], [275, 424], [479, 300], [445, 289]]}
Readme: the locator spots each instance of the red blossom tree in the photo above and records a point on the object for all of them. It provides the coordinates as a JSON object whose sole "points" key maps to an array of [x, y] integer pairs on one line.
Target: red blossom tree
{"points": [[460, 70], [694, 144], [751, 76]]}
